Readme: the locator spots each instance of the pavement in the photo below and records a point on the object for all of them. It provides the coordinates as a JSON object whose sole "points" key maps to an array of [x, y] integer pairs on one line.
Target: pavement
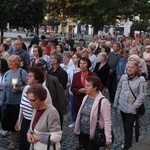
{"points": [[69, 141]]}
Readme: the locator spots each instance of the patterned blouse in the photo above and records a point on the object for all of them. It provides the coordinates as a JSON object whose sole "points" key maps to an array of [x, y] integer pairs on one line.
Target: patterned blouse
{"points": [[85, 116]]}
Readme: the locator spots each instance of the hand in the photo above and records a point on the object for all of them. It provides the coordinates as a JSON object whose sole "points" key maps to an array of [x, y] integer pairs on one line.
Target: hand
{"points": [[133, 101], [16, 89], [82, 90], [17, 126], [30, 137], [118, 78], [36, 137], [108, 144]]}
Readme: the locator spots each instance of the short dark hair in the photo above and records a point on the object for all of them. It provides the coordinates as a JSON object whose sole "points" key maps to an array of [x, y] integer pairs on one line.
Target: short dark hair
{"points": [[6, 47], [38, 74], [38, 91], [85, 60], [78, 55], [95, 81], [73, 49]]}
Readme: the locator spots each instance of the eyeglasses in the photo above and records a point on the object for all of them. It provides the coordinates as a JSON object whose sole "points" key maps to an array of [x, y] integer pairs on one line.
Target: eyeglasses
{"points": [[33, 100], [29, 76]]}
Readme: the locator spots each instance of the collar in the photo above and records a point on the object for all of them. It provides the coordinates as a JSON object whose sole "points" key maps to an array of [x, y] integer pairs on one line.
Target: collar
{"points": [[129, 78]]}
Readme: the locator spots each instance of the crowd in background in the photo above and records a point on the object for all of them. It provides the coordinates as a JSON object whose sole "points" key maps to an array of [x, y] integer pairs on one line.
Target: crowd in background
{"points": [[63, 68]]}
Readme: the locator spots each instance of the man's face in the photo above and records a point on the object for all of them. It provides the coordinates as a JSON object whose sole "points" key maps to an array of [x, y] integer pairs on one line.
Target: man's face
{"points": [[53, 60], [115, 48], [18, 45]]}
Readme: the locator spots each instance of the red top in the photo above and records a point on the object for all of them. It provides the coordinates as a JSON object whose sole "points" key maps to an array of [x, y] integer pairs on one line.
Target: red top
{"points": [[37, 117]]}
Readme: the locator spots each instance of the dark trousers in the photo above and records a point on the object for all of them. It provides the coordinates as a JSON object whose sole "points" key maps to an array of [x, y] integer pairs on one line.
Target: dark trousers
{"points": [[112, 86], [87, 143], [128, 121], [23, 143]]}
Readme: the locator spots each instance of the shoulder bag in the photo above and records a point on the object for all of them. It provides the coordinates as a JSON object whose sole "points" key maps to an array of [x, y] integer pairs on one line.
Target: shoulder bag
{"points": [[99, 137]]}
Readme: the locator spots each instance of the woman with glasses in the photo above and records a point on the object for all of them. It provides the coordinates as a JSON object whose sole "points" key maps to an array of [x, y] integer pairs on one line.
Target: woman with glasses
{"points": [[45, 124], [35, 75]]}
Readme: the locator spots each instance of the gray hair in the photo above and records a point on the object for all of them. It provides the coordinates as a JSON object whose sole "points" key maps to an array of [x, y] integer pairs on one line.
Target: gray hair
{"points": [[103, 54], [134, 57], [67, 54], [8, 39]]}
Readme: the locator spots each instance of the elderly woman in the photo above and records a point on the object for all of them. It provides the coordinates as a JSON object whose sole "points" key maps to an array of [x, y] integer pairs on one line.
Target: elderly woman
{"points": [[14, 83], [125, 100], [87, 116], [35, 75], [45, 124], [102, 68]]}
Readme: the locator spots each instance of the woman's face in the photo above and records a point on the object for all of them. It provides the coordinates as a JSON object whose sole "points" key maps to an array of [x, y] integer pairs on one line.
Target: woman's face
{"points": [[13, 64], [58, 49], [101, 58], [132, 69], [30, 79], [34, 102], [83, 65], [89, 87], [35, 51]]}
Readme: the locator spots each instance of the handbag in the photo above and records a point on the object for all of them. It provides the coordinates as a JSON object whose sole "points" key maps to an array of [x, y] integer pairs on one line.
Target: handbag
{"points": [[99, 137], [141, 109]]}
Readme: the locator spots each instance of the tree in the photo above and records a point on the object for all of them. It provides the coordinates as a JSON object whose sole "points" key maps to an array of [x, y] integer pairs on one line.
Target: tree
{"points": [[22, 13], [140, 26], [99, 12]]}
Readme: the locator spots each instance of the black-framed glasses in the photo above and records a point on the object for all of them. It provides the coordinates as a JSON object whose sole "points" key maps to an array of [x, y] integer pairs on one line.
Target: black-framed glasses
{"points": [[33, 100]]}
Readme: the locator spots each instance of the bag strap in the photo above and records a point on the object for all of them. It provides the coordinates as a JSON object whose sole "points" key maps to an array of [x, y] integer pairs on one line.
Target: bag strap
{"points": [[99, 109], [131, 90], [21, 77], [49, 142]]}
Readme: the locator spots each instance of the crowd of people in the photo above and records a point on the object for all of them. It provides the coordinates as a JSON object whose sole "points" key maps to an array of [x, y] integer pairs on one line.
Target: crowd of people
{"points": [[38, 81]]}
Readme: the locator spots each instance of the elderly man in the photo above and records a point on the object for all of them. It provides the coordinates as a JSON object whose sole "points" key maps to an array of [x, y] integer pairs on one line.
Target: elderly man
{"points": [[21, 52]]}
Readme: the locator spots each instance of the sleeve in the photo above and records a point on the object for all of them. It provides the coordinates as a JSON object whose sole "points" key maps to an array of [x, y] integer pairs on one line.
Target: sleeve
{"points": [[64, 79], [54, 128], [27, 59], [141, 96], [106, 115], [23, 76], [116, 100], [74, 88]]}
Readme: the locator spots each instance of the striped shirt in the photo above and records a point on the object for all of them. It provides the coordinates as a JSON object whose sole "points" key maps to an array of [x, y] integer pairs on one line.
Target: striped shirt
{"points": [[26, 107]]}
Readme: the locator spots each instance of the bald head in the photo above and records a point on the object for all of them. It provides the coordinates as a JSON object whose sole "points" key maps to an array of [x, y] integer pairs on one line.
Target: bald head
{"points": [[18, 45]]}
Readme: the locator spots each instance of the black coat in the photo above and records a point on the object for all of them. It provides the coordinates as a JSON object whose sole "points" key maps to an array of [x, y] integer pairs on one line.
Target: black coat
{"points": [[102, 73]]}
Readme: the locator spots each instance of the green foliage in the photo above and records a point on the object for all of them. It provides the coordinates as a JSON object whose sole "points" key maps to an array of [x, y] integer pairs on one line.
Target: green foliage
{"points": [[22, 13], [140, 25], [100, 12]]}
